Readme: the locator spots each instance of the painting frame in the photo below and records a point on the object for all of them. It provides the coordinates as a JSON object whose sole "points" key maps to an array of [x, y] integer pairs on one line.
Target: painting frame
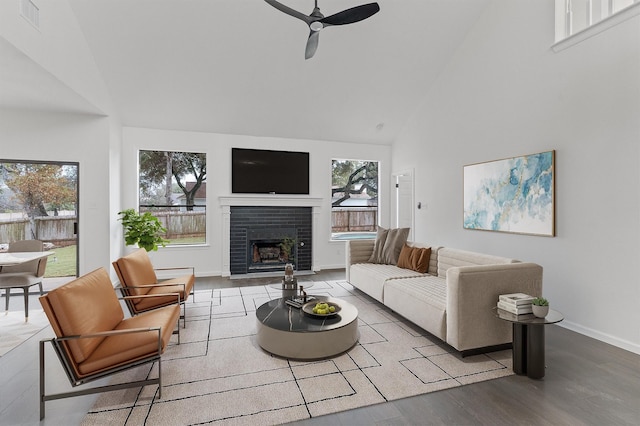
{"points": [[513, 195]]}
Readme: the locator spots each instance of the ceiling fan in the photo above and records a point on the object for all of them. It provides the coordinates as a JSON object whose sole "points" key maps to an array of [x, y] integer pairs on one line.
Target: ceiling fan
{"points": [[317, 21]]}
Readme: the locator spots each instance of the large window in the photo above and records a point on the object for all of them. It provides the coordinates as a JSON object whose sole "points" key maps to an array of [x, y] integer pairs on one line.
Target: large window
{"points": [[173, 188], [39, 201], [354, 199]]}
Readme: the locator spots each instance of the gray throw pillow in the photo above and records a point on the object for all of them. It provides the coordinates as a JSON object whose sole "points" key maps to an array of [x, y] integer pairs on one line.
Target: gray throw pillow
{"points": [[396, 238], [381, 238]]}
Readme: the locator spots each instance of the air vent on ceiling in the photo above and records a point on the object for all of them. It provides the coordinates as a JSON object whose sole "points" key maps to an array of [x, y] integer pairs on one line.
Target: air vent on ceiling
{"points": [[30, 12]]}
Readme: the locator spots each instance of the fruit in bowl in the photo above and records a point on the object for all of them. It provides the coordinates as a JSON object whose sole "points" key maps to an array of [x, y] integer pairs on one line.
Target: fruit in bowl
{"points": [[323, 308]]}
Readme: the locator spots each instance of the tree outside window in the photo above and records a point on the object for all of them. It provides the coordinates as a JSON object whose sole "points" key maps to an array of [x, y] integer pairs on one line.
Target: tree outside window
{"points": [[173, 187], [354, 199], [39, 201]]}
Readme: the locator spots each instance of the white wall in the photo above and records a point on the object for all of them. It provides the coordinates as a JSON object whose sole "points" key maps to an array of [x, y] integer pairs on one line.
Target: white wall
{"points": [[208, 259], [58, 46], [28, 135], [507, 94]]}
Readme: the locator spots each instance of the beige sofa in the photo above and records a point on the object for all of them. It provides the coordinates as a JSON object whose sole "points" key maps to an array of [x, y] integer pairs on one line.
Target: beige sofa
{"points": [[454, 300]]}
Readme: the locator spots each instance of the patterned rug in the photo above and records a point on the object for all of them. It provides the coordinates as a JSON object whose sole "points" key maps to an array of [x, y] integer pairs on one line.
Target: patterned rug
{"points": [[14, 330], [219, 375]]}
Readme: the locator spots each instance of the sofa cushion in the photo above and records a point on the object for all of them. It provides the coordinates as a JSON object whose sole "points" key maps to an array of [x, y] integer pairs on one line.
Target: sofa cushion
{"points": [[371, 277], [422, 300], [449, 257]]}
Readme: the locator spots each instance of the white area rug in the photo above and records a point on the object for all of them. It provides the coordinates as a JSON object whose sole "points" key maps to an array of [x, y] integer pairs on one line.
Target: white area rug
{"points": [[219, 375], [14, 330]]}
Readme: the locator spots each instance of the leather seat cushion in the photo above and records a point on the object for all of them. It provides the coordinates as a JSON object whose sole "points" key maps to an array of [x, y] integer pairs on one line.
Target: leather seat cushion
{"points": [[86, 305], [136, 270], [168, 286], [122, 349]]}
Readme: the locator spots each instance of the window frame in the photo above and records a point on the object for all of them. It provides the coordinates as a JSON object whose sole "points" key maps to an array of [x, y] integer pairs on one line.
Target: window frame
{"points": [[181, 207], [341, 236]]}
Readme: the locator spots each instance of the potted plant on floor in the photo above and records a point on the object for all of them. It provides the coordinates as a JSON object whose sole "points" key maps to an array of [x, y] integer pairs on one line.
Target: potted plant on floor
{"points": [[144, 229], [540, 307]]}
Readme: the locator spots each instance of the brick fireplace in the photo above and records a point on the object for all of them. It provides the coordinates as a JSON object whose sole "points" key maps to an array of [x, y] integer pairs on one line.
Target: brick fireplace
{"points": [[263, 233]]}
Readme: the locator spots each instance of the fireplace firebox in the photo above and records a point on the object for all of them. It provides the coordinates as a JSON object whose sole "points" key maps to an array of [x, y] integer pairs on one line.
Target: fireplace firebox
{"points": [[266, 238], [271, 248]]}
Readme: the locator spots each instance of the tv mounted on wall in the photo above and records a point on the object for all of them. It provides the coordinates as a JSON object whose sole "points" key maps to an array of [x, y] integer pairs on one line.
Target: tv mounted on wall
{"points": [[260, 171]]}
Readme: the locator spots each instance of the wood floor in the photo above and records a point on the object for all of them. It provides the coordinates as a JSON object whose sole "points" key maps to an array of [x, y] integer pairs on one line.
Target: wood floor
{"points": [[587, 382]]}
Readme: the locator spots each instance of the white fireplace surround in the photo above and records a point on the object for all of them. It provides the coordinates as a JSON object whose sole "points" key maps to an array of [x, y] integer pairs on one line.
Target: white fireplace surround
{"points": [[274, 200]]}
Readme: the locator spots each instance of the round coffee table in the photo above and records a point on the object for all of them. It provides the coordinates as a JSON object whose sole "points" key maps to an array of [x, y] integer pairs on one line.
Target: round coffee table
{"points": [[288, 332]]}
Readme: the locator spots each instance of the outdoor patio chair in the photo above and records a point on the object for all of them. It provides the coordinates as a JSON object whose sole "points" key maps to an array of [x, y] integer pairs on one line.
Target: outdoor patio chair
{"points": [[138, 277], [25, 275]]}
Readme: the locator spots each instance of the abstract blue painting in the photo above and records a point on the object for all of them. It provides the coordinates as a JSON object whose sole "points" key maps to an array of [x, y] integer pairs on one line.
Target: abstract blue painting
{"points": [[511, 195]]}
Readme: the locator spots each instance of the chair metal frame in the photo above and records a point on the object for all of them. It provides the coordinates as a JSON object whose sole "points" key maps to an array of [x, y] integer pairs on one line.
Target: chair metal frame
{"points": [[131, 306], [62, 351]]}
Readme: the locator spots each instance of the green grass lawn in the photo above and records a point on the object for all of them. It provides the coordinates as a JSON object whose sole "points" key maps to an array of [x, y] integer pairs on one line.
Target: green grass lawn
{"points": [[187, 240], [62, 263]]}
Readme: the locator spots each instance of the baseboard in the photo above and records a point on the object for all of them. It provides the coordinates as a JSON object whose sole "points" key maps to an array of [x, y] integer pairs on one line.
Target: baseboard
{"points": [[607, 338], [326, 267]]}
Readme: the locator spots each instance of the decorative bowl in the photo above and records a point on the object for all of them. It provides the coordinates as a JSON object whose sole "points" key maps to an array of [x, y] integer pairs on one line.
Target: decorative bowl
{"points": [[307, 308]]}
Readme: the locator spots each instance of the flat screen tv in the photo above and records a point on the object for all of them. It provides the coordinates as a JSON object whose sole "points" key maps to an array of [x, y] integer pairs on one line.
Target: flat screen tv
{"points": [[260, 171]]}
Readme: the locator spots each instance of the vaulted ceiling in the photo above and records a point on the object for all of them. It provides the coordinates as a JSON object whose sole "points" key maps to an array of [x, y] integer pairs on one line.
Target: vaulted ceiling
{"points": [[238, 67]]}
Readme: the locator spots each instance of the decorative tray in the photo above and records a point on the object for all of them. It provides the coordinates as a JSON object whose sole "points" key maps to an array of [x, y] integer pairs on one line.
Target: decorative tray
{"points": [[298, 302]]}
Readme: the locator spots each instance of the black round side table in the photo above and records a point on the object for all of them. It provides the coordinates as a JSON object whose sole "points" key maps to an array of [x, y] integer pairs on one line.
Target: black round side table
{"points": [[528, 340]]}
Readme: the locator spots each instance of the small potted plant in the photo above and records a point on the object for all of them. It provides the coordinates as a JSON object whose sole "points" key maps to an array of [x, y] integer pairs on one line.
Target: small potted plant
{"points": [[145, 230], [540, 307]]}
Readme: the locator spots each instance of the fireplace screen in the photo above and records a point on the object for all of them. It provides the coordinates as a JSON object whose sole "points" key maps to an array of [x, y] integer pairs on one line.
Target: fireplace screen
{"points": [[267, 252]]}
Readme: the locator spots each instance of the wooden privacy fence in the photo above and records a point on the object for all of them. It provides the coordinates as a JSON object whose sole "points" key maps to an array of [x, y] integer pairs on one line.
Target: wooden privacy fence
{"points": [[183, 224], [57, 230], [353, 219]]}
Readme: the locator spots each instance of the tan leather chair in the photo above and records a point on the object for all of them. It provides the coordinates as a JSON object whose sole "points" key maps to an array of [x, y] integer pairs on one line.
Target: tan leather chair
{"points": [[138, 277], [25, 275], [94, 339]]}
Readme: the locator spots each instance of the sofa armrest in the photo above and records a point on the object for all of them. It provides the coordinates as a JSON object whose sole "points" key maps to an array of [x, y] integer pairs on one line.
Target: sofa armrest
{"points": [[357, 251], [472, 293]]}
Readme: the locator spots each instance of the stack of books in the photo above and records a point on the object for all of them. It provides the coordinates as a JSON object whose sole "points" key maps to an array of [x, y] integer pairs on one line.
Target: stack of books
{"points": [[515, 303]]}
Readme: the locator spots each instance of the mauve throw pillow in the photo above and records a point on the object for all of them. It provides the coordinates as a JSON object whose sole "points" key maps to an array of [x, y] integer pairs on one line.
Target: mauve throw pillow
{"points": [[393, 245], [381, 238]]}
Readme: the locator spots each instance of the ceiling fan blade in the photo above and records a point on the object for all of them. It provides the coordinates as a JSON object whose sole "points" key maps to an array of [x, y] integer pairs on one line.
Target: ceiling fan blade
{"points": [[354, 14], [312, 44], [286, 9]]}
